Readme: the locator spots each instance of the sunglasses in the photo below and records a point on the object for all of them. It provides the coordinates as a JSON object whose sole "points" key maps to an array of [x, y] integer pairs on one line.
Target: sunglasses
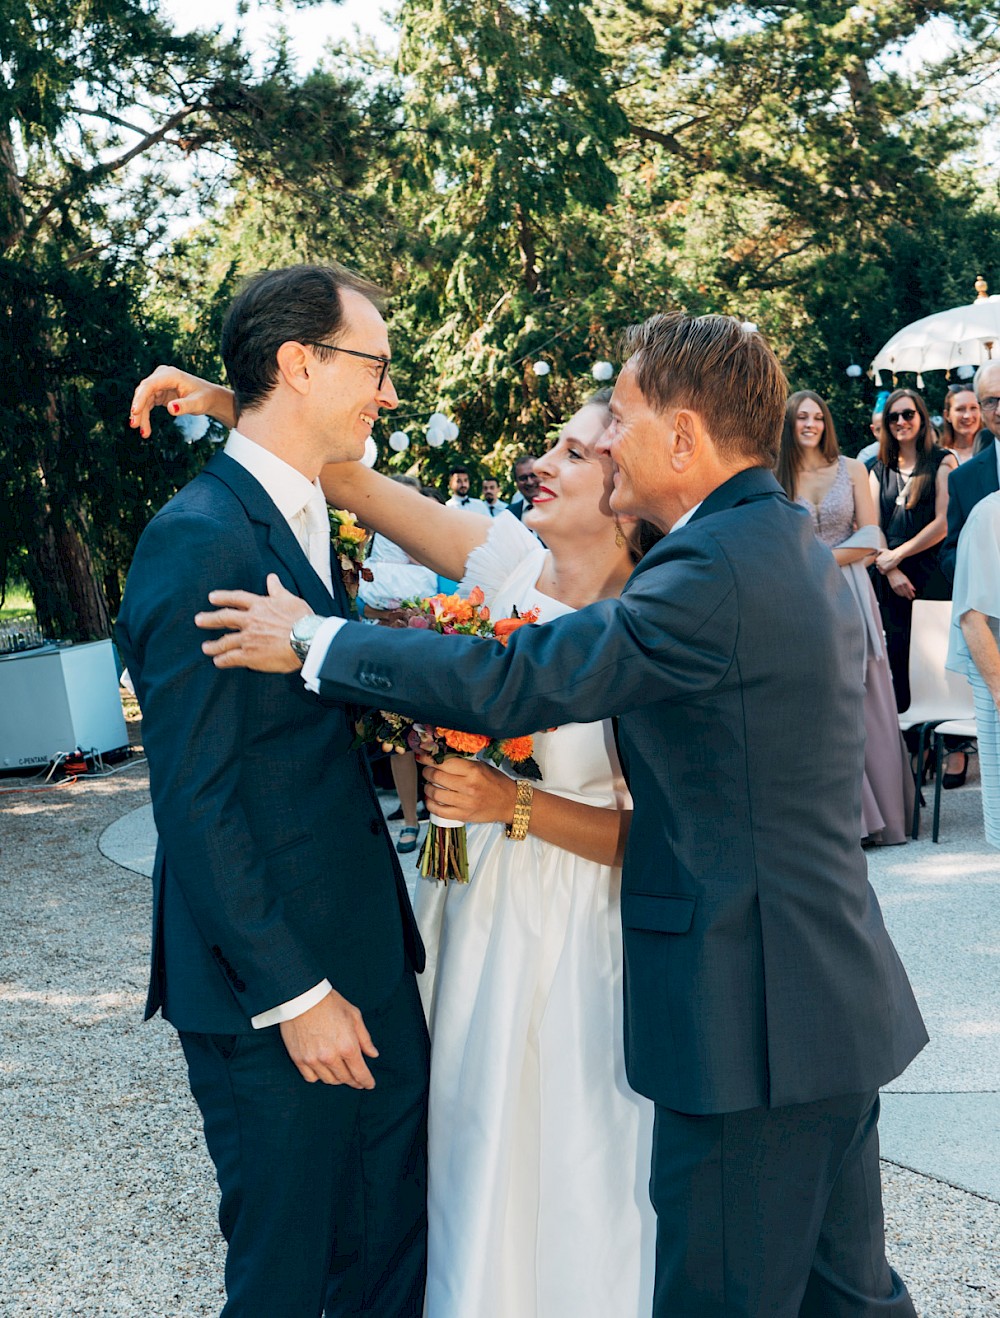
{"points": [[906, 414]]}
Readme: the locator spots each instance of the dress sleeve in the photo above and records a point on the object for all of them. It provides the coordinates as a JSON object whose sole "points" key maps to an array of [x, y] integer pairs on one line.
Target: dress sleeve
{"points": [[395, 576], [504, 551]]}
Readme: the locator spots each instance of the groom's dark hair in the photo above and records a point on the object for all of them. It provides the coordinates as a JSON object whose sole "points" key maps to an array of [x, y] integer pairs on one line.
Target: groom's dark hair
{"points": [[720, 368], [300, 303]]}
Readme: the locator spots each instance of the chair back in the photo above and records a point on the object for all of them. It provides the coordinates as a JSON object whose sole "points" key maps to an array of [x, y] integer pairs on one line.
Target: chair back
{"points": [[936, 693]]}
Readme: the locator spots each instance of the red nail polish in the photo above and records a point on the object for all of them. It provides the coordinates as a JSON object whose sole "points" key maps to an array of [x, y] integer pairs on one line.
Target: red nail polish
{"points": [[175, 408]]}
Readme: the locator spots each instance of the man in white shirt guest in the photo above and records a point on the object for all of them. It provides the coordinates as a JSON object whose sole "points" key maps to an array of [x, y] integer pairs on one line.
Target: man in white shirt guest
{"points": [[491, 496], [458, 487]]}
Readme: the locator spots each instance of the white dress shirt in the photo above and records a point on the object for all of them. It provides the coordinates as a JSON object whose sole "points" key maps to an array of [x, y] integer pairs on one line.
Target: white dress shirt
{"points": [[685, 517], [467, 502], [303, 505]]}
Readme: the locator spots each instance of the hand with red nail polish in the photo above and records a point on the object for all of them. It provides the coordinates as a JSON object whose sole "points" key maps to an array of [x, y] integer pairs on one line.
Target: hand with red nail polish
{"points": [[181, 394]]}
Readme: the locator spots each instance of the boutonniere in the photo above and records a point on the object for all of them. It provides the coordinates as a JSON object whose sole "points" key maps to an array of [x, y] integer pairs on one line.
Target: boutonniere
{"points": [[350, 544]]}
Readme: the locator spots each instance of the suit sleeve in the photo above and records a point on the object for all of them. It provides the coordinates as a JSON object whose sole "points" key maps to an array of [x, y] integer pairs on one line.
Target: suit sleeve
{"points": [[671, 636], [956, 520], [194, 728]]}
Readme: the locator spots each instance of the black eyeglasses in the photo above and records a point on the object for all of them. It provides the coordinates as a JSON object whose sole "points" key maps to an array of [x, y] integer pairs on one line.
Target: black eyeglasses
{"points": [[907, 414], [368, 357]]}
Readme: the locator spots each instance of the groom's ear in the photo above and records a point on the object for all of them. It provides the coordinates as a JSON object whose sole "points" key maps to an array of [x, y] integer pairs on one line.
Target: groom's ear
{"points": [[293, 366]]}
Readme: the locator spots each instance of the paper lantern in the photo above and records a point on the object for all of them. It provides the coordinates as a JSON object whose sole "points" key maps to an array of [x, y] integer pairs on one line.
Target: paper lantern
{"points": [[192, 428], [853, 371], [370, 456], [399, 441], [602, 371], [541, 368]]}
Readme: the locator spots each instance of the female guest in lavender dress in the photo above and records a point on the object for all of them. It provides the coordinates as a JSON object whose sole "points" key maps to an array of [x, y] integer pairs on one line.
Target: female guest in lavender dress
{"points": [[834, 491]]}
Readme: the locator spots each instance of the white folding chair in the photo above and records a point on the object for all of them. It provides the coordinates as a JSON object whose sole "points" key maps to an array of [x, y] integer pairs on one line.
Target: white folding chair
{"points": [[937, 695]]}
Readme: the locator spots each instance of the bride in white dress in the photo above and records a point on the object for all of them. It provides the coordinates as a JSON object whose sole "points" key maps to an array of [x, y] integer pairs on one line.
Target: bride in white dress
{"points": [[539, 1151]]}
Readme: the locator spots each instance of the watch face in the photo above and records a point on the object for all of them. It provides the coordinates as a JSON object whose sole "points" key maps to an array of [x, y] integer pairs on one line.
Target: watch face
{"points": [[306, 628]]}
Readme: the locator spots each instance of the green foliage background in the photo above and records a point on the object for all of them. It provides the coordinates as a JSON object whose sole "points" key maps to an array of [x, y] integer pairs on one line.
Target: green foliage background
{"points": [[525, 177]]}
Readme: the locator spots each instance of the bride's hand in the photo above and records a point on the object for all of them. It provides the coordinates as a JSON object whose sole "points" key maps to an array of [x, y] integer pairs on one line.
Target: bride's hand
{"points": [[469, 790], [182, 394]]}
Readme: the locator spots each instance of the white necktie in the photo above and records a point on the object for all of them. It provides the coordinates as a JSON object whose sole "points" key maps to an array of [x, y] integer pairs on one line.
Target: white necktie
{"points": [[313, 530]]}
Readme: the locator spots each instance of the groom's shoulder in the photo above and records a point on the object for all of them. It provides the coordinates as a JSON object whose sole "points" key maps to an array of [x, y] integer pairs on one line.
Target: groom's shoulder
{"points": [[203, 497]]}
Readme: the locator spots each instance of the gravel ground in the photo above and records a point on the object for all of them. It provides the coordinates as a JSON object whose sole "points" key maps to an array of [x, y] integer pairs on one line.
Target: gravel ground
{"points": [[109, 1197]]}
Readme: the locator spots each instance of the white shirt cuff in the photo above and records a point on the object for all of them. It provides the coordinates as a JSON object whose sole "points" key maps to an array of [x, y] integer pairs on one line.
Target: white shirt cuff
{"points": [[289, 1010], [318, 650]]}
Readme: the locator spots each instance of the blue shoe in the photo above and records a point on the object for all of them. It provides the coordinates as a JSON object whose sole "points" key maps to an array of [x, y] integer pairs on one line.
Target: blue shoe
{"points": [[408, 839]]}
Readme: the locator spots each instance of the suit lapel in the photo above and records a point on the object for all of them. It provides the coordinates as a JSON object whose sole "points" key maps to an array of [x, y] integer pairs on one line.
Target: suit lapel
{"points": [[260, 508], [987, 473]]}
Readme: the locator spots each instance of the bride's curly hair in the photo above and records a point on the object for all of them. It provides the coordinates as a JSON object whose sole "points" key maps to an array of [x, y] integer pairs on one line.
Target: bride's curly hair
{"points": [[641, 535]]}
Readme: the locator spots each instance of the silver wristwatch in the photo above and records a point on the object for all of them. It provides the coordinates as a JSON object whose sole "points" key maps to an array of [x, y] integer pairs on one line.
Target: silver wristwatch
{"points": [[302, 634]]}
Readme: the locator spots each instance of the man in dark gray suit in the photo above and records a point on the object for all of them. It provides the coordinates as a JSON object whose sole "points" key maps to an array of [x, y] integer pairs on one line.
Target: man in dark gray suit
{"points": [[284, 947], [765, 1003]]}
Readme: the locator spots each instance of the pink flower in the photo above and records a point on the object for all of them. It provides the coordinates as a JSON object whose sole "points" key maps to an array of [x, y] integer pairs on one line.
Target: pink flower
{"points": [[417, 621]]}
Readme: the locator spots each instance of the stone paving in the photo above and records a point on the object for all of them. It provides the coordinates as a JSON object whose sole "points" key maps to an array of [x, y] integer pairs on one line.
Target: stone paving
{"points": [[109, 1195]]}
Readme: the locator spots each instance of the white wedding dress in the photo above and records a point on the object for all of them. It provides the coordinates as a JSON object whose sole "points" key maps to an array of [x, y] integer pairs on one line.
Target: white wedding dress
{"points": [[539, 1151]]}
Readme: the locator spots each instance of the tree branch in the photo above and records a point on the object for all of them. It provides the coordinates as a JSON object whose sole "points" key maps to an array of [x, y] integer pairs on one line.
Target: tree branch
{"points": [[110, 167]]}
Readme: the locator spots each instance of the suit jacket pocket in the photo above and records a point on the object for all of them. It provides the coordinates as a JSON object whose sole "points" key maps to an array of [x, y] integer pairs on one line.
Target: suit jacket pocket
{"points": [[292, 863], [661, 914]]}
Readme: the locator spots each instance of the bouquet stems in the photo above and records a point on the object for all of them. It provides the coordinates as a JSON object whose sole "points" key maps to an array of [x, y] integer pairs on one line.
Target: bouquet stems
{"points": [[445, 852]]}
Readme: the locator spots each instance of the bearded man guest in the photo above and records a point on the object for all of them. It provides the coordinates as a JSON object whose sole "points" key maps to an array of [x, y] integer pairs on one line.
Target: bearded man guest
{"points": [[284, 947], [765, 1003]]}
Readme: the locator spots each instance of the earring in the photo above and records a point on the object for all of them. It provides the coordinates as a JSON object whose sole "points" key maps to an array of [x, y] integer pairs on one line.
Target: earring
{"points": [[620, 541]]}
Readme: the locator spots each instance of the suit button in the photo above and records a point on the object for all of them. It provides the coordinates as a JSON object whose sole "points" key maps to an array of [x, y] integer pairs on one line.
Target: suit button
{"points": [[239, 986], [375, 828]]}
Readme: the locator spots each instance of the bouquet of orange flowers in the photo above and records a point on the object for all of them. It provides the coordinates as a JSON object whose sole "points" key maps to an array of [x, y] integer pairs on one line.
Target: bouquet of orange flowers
{"points": [[350, 543], [444, 855]]}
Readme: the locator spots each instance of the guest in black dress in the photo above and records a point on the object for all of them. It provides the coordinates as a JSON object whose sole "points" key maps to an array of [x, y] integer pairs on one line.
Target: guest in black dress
{"points": [[909, 483]]}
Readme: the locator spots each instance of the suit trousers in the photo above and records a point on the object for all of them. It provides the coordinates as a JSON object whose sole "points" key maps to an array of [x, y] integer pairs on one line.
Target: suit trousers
{"points": [[774, 1211], [323, 1187]]}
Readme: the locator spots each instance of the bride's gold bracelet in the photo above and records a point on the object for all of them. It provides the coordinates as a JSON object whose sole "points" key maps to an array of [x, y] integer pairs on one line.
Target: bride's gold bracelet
{"points": [[517, 829]]}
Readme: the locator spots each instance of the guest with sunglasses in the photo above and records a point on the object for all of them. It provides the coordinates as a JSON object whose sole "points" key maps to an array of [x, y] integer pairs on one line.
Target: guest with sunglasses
{"points": [[909, 483]]}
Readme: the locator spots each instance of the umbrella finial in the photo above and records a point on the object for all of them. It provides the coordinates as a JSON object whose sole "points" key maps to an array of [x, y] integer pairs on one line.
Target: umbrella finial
{"points": [[982, 288]]}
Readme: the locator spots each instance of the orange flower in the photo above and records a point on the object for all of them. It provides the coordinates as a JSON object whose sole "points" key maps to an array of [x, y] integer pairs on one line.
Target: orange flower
{"points": [[476, 596], [348, 532], [517, 749], [467, 743], [504, 627]]}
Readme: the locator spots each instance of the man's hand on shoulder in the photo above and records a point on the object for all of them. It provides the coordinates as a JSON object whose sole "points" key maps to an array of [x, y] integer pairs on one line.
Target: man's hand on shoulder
{"points": [[330, 1042], [257, 628]]}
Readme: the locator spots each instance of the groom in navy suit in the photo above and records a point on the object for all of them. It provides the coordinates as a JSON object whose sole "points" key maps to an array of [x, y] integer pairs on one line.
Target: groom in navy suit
{"points": [[284, 947], [765, 1003]]}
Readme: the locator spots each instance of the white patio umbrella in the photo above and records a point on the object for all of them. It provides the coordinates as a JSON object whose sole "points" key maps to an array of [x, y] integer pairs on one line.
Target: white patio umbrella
{"points": [[961, 336]]}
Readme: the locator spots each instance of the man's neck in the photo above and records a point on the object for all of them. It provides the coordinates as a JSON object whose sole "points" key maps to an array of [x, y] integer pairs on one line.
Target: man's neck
{"points": [[280, 435]]}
